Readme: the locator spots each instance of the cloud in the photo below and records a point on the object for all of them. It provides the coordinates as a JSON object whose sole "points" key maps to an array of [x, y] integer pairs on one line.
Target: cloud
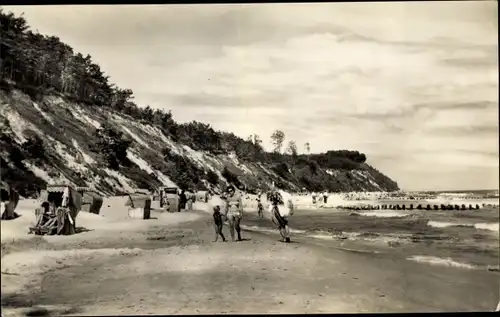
{"points": [[413, 85]]}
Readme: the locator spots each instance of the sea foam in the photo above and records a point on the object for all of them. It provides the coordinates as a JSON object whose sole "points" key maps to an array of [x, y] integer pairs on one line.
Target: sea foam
{"points": [[384, 214], [487, 226], [494, 226], [441, 224], [433, 260]]}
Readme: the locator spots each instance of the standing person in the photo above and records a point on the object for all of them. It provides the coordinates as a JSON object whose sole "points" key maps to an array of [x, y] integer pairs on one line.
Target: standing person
{"points": [[260, 208], [314, 198], [182, 200], [193, 200], [279, 218], [325, 197], [218, 224], [234, 211], [189, 201], [223, 197]]}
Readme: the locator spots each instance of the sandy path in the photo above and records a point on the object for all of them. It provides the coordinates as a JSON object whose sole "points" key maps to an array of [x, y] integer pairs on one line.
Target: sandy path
{"points": [[176, 269]]}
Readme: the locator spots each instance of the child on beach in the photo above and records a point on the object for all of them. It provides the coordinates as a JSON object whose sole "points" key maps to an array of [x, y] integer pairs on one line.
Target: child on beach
{"points": [[218, 224], [260, 208]]}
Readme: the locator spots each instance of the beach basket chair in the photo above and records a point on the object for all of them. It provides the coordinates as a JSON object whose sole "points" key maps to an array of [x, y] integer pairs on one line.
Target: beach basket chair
{"points": [[67, 201]]}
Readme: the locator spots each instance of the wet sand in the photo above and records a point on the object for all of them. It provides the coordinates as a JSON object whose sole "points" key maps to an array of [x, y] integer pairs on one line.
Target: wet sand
{"points": [[175, 268]]}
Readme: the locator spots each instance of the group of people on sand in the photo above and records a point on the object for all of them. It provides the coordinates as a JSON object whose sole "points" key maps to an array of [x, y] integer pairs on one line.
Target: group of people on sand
{"points": [[188, 198], [320, 197], [233, 214]]}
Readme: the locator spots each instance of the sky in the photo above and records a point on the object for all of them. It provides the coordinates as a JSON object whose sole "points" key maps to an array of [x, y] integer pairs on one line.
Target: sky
{"points": [[413, 85]]}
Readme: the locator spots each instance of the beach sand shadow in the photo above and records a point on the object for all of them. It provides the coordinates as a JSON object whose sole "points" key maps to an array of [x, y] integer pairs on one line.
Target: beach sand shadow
{"points": [[82, 229], [42, 312], [291, 241], [24, 301], [14, 216]]}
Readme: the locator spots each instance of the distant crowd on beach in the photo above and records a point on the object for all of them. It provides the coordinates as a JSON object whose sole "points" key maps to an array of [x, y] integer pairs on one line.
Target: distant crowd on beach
{"points": [[188, 198], [320, 197]]}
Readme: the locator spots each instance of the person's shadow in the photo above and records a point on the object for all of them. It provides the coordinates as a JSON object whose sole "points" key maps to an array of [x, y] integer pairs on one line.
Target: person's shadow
{"points": [[291, 241], [82, 229]]}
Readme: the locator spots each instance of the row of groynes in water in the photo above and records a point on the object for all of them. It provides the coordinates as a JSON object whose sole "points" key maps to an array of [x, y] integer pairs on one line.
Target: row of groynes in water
{"points": [[417, 197], [417, 207]]}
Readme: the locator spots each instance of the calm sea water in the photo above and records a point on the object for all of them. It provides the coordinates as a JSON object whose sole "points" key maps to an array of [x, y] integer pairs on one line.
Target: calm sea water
{"points": [[467, 239]]}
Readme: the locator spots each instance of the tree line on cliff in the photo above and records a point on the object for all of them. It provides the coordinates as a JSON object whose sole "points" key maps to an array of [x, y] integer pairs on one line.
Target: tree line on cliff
{"points": [[42, 65]]}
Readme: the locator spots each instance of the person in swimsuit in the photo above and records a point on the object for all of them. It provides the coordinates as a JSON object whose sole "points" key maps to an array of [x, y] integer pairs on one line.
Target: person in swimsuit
{"points": [[260, 208], [218, 224], [234, 211]]}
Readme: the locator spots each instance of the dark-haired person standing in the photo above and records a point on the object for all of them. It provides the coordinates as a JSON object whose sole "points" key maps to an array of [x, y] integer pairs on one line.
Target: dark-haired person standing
{"points": [[182, 200], [218, 224]]}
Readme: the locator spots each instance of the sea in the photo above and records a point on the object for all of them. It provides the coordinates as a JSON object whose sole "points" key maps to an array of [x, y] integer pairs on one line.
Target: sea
{"points": [[467, 239]]}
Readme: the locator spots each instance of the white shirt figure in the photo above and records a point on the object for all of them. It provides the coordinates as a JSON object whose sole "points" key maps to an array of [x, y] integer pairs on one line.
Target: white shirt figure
{"points": [[65, 198]]}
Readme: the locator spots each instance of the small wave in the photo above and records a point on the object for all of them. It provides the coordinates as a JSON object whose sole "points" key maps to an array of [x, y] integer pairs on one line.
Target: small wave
{"points": [[440, 224], [480, 226], [328, 235], [384, 214], [257, 228], [487, 226], [359, 250], [262, 229], [385, 239], [320, 236], [359, 236], [433, 260]]}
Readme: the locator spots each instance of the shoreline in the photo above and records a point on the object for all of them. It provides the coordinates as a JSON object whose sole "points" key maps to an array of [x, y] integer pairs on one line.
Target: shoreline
{"points": [[176, 269]]}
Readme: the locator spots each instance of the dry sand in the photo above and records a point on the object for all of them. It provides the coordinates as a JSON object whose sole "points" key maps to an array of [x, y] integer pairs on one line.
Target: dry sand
{"points": [[169, 265]]}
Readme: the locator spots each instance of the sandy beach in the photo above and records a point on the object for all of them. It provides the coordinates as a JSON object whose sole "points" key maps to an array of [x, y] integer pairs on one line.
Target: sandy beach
{"points": [[376, 124], [169, 265]]}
